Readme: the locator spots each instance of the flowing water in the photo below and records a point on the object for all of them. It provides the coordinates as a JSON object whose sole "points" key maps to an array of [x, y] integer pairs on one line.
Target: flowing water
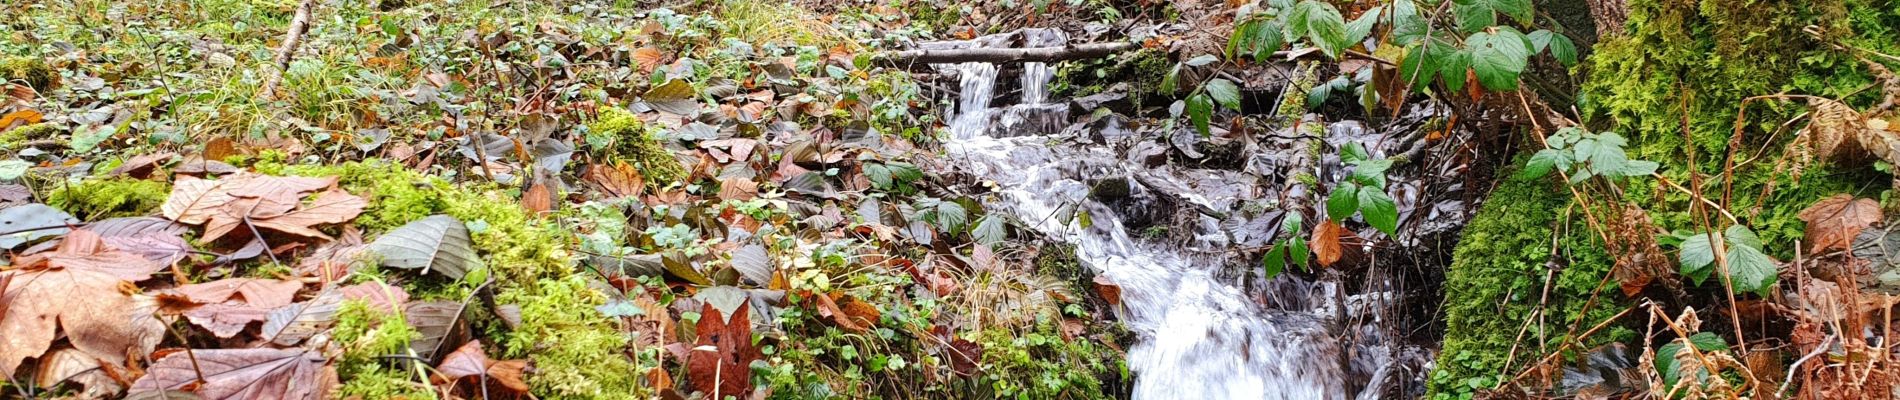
{"points": [[1200, 334]]}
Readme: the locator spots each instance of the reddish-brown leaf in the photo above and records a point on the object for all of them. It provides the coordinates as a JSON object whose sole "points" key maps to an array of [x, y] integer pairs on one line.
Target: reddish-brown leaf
{"points": [[619, 181], [1834, 221], [719, 363], [1325, 243], [90, 307], [19, 118], [82, 249], [240, 374], [141, 167], [470, 361], [219, 148], [736, 188], [537, 199], [194, 200], [1108, 289], [261, 293], [648, 58], [330, 207]]}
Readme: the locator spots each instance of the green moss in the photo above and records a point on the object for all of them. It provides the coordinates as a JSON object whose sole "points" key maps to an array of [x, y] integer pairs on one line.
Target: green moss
{"points": [[367, 334], [1703, 58], [1497, 279], [31, 70], [95, 199], [37, 131], [634, 142], [1040, 364], [577, 351]]}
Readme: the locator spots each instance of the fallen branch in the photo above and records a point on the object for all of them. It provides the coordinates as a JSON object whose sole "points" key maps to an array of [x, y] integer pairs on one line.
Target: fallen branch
{"points": [[1004, 55], [299, 24]]}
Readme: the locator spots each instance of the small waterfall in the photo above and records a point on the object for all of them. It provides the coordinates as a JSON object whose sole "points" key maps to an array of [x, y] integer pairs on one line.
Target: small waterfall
{"points": [[1201, 336], [1036, 75]]}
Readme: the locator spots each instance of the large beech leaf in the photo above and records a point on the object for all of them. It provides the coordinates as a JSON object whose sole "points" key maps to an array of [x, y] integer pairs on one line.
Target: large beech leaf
{"points": [[86, 305], [438, 243], [469, 361], [1833, 222], [752, 262], [439, 322], [719, 363], [240, 374]]}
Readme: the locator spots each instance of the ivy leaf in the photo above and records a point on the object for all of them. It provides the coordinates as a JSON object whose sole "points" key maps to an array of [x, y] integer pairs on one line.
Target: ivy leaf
{"points": [[1343, 202], [1380, 211], [1199, 110], [1750, 270], [1225, 93], [1325, 27], [1498, 57], [1357, 30]]}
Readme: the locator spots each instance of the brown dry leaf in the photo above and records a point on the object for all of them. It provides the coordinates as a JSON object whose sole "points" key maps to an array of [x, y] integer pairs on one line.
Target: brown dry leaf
{"points": [[1325, 243], [84, 250], [848, 312], [619, 181], [76, 366], [21, 117], [219, 148], [1110, 291], [333, 260], [1834, 221], [194, 200], [261, 293], [719, 363], [470, 361], [648, 58], [330, 207], [240, 374], [736, 188], [142, 166], [537, 199], [92, 308]]}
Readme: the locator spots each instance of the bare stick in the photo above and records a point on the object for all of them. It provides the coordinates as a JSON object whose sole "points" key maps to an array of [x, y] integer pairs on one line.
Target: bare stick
{"points": [[299, 24]]}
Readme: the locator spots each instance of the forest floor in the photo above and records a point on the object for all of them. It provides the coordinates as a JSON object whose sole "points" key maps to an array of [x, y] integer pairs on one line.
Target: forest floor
{"points": [[738, 199]]}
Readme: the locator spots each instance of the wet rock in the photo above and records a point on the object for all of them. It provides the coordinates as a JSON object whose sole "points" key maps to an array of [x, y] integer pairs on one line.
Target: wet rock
{"points": [[1109, 189]]}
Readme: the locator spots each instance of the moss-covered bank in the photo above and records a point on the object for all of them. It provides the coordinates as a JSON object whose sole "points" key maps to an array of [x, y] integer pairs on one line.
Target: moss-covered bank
{"points": [[1526, 235]]}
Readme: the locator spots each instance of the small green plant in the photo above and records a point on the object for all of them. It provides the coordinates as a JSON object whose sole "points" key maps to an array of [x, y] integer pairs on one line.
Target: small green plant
{"points": [[1364, 192], [1749, 269], [1581, 155]]}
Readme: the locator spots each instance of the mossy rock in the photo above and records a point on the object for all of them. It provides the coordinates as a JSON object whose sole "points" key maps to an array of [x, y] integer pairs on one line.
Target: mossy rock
{"points": [[31, 70], [631, 140], [1497, 279]]}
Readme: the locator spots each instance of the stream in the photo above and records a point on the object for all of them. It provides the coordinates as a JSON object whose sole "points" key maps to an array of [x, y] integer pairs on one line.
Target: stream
{"points": [[1201, 332]]}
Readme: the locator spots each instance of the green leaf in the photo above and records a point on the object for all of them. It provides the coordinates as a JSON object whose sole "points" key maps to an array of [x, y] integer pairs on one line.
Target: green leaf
{"points": [[1519, 10], [1200, 109], [1296, 251], [1325, 27], [1564, 50], [1168, 82], [13, 169], [990, 230], [1421, 64], [1408, 27], [1371, 172], [1380, 211], [1297, 18], [675, 96], [1696, 253], [1224, 92], [1498, 57], [1666, 355], [1357, 30], [1202, 60], [1637, 168], [1474, 15], [1539, 39], [879, 174], [1353, 152], [1275, 261], [1741, 236], [1540, 164], [1453, 69], [1750, 270], [1343, 202], [1241, 42], [1267, 40], [1292, 224]]}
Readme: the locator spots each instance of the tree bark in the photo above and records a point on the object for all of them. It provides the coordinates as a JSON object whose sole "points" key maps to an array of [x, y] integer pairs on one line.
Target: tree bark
{"points": [[1003, 55], [299, 24], [1610, 16]]}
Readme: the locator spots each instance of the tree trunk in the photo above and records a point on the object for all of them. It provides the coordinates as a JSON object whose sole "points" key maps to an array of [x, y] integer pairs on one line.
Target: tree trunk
{"points": [[1610, 16]]}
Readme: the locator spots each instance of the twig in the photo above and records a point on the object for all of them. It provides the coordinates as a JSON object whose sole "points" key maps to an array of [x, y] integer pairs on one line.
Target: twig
{"points": [[299, 24], [1829, 340]]}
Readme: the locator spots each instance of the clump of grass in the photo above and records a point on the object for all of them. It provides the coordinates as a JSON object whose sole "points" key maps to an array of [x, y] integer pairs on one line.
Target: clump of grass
{"points": [[765, 22], [31, 70], [632, 141]]}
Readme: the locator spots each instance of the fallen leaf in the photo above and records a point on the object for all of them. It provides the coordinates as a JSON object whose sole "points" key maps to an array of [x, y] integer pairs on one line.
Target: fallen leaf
{"points": [[84, 250], [719, 364], [470, 361], [619, 181], [194, 200], [239, 374], [1108, 289], [72, 365], [142, 166], [89, 306], [1833, 222], [736, 188], [260, 293], [438, 322], [1325, 242], [648, 58], [537, 199], [31, 222], [438, 244], [219, 148]]}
